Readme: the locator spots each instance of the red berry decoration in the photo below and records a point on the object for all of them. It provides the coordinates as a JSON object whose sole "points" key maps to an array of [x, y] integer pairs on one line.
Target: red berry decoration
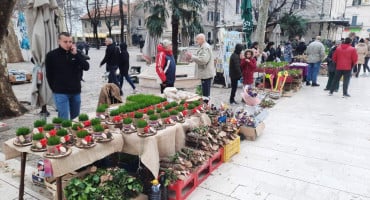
{"points": [[117, 119], [87, 123], [41, 129], [52, 132]]}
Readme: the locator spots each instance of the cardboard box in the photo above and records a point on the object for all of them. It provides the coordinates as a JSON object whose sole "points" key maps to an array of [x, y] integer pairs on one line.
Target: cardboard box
{"points": [[251, 133]]}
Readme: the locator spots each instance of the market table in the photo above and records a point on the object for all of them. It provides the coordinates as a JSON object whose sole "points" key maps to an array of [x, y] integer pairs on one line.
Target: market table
{"points": [[61, 166], [165, 143]]}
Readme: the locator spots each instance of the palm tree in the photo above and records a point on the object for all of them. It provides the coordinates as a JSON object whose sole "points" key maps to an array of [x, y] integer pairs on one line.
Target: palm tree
{"points": [[293, 25], [9, 105], [184, 12]]}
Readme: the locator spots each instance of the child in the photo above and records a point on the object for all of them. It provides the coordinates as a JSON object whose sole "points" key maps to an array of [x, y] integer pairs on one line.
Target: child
{"points": [[248, 66]]}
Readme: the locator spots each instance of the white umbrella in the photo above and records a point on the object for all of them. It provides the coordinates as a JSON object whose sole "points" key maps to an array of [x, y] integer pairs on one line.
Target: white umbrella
{"points": [[276, 34], [43, 33]]}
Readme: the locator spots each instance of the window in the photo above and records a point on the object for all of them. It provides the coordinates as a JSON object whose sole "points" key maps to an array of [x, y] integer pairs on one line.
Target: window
{"points": [[237, 6], [209, 16], [356, 2], [139, 22], [354, 21], [295, 4], [217, 17], [303, 4], [85, 24], [116, 22]]}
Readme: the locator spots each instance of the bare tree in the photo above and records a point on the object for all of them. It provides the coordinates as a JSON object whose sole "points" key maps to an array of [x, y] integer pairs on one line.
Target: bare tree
{"points": [[261, 25], [108, 16], [9, 105], [129, 23], [122, 19], [94, 16]]}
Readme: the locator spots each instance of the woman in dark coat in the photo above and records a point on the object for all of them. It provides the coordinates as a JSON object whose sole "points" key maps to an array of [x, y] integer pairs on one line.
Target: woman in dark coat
{"points": [[124, 65], [271, 52], [235, 72]]}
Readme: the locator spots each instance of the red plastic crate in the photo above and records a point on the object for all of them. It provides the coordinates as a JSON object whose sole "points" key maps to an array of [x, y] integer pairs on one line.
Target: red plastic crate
{"points": [[182, 188], [202, 172], [216, 160]]}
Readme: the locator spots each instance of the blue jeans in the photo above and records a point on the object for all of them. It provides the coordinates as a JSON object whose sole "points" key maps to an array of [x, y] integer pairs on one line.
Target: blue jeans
{"points": [[128, 79], [313, 71], [206, 88], [68, 105]]}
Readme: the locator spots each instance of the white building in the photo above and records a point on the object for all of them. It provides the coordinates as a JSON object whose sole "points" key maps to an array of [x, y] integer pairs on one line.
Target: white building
{"points": [[358, 11]]}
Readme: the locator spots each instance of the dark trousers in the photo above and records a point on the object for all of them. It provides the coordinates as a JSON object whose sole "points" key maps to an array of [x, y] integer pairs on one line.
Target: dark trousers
{"points": [[112, 78], [128, 79], [331, 80], [346, 76], [165, 86], [234, 87], [366, 65], [206, 89]]}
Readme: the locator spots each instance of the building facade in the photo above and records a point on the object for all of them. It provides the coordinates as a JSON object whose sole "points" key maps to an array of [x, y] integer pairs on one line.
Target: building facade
{"points": [[358, 11]]}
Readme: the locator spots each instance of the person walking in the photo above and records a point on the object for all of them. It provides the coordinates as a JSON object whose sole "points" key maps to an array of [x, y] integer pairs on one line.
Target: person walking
{"points": [[345, 57], [165, 65], [248, 65], [111, 61], [63, 73], [270, 51], [124, 65], [367, 57], [235, 71], [315, 54], [288, 52], [204, 67], [362, 51], [332, 66]]}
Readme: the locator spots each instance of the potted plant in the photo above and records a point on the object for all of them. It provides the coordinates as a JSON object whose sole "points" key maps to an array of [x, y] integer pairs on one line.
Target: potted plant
{"points": [[95, 121], [39, 123], [159, 110], [76, 127], [127, 123], [57, 122], [137, 116], [67, 124], [113, 113], [115, 122], [83, 138], [83, 117], [64, 136], [48, 127], [53, 145], [101, 110], [36, 141], [153, 120], [98, 130], [150, 112], [23, 135], [141, 124]]}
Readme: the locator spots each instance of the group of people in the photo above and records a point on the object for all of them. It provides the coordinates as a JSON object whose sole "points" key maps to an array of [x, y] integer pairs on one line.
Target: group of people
{"points": [[205, 70]]}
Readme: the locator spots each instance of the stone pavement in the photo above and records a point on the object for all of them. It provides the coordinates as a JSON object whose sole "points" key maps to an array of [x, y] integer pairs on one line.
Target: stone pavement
{"points": [[314, 146]]}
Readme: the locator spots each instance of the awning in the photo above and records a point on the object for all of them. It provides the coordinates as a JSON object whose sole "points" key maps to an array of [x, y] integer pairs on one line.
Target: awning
{"points": [[91, 35]]}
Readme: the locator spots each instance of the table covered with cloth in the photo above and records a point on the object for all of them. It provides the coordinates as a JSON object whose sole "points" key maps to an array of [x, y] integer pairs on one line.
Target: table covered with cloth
{"points": [[77, 159], [165, 143]]}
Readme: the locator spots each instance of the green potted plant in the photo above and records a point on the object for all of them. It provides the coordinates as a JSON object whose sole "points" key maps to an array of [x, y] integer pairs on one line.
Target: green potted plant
{"points": [[165, 115], [23, 135], [101, 110], [67, 124], [180, 108], [48, 127], [137, 116], [98, 130], [36, 141], [153, 120], [57, 122], [83, 117], [39, 123], [150, 112], [113, 113], [95, 121], [53, 142], [174, 115], [141, 124], [64, 135], [83, 138], [76, 127], [159, 110]]}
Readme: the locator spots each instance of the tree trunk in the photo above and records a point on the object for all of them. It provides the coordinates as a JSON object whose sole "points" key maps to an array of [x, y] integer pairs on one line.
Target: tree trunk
{"points": [[129, 23], [175, 34], [95, 33], [261, 25], [9, 105], [215, 23], [122, 17], [12, 45]]}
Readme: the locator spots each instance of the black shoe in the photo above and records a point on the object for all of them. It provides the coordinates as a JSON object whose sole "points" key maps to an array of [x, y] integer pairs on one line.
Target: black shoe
{"points": [[326, 89], [346, 95], [315, 85], [308, 83], [330, 93]]}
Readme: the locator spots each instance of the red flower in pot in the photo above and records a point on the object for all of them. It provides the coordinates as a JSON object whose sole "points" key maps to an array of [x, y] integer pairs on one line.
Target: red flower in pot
{"points": [[117, 119], [53, 132], [87, 123]]}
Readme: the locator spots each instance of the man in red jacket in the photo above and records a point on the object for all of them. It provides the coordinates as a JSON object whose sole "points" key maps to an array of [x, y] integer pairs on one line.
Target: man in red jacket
{"points": [[345, 57]]}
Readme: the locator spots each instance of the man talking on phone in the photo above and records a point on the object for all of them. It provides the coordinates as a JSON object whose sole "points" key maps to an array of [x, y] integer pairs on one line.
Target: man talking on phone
{"points": [[64, 66]]}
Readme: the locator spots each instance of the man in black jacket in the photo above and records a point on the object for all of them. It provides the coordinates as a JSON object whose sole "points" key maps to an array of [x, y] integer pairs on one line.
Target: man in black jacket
{"points": [[235, 72], [111, 61], [63, 72]]}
